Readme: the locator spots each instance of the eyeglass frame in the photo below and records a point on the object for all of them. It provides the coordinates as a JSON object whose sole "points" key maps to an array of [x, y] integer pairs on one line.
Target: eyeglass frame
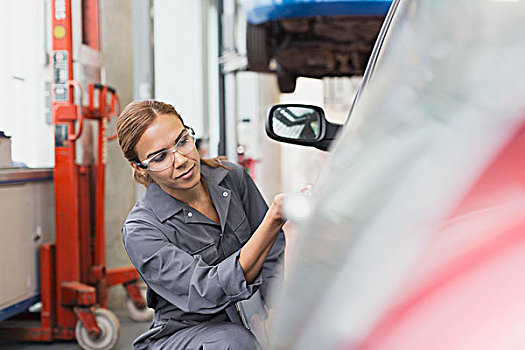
{"points": [[145, 164]]}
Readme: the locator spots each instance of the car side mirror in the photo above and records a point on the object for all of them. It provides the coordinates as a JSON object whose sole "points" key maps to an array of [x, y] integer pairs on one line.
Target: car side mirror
{"points": [[301, 125]]}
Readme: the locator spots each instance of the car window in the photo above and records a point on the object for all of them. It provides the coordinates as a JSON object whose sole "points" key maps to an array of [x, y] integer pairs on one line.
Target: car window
{"points": [[445, 96]]}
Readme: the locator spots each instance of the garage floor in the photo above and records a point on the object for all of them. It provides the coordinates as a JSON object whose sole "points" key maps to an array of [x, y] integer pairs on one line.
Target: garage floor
{"points": [[129, 330]]}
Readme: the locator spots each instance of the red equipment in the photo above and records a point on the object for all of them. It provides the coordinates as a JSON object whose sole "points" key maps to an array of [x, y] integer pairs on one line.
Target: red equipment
{"points": [[74, 278], [246, 162]]}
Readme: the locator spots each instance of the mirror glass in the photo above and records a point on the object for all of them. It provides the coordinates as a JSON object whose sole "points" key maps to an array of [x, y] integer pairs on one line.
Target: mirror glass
{"points": [[296, 123]]}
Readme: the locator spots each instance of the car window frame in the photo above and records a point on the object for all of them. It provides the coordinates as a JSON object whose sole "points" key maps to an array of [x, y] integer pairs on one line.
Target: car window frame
{"points": [[369, 71]]}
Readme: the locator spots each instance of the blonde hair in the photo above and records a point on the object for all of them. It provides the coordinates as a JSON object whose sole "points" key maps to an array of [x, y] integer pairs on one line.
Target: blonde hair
{"points": [[133, 122]]}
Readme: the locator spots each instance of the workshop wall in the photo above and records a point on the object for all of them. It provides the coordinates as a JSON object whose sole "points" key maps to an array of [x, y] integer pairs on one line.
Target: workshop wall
{"points": [[24, 82], [116, 41]]}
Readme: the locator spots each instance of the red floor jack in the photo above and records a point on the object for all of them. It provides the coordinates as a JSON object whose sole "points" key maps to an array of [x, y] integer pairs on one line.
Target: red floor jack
{"points": [[74, 279]]}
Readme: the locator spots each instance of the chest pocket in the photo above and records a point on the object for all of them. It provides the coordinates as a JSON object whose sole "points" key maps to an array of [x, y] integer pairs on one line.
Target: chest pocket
{"points": [[237, 224], [208, 253], [195, 240], [243, 231]]}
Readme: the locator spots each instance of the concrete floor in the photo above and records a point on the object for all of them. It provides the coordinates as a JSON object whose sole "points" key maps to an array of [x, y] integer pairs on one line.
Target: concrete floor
{"points": [[129, 330]]}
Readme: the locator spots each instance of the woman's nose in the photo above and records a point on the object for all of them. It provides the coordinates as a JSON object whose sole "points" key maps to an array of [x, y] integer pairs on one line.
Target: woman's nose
{"points": [[178, 159]]}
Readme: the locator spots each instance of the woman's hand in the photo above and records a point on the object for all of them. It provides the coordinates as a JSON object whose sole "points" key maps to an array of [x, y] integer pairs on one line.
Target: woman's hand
{"points": [[275, 212]]}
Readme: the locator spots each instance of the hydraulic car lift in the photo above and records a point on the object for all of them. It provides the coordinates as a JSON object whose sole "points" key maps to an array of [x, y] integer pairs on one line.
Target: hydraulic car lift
{"points": [[73, 277]]}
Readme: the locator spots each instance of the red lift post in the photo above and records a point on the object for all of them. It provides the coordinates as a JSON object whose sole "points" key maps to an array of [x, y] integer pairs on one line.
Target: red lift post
{"points": [[74, 278]]}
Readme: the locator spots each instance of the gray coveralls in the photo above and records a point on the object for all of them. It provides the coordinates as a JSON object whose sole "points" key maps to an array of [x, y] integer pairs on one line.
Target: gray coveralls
{"points": [[190, 263]]}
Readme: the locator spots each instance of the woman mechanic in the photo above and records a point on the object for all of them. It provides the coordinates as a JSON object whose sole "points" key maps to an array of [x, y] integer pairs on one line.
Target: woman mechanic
{"points": [[202, 237]]}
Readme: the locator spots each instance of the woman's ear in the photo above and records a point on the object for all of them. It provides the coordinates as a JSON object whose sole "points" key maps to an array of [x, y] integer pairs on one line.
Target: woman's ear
{"points": [[137, 168]]}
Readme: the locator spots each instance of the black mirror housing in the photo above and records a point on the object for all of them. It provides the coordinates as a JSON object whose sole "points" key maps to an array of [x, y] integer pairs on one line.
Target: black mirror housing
{"points": [[300, 124]]}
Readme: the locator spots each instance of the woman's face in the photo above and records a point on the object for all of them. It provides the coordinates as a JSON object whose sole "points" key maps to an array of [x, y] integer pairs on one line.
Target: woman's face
{"points": [[162, 135]]}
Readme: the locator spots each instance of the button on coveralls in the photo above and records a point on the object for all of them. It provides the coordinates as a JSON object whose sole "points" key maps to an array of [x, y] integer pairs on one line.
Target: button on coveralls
{"points": [[190, 263]]}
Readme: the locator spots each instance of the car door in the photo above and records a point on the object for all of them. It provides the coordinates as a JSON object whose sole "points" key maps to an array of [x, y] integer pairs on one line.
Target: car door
{"points": [[414, 236]]}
